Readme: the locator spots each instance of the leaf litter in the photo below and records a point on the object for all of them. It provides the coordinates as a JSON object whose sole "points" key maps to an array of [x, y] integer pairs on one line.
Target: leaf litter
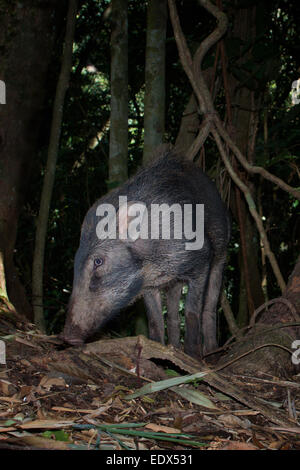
{"points": [[92, 398]]}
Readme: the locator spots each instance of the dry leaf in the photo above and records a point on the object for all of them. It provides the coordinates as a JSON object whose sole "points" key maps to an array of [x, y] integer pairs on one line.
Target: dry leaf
{"points": [[49, 382], [10, 399], [26, 363], [6, 387], [7, 429], [25, 390], [99, 411], [233, 445], [160, 428], [72, 410], [27, 343], [46, 424], [41, 414], [42, 442], [234, 421], [125, 361]]}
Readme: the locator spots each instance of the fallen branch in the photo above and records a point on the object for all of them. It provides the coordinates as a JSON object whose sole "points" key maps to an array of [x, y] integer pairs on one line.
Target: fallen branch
{"points": [[152, 349], [273, 301]]}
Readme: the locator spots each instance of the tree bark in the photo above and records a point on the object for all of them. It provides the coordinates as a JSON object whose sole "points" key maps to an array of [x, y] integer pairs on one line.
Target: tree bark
{"points": [[42, 222], [242, 102], [269, 340], [26, 39], [154, 112], [292, 294], [189, 125], [118, 140]]}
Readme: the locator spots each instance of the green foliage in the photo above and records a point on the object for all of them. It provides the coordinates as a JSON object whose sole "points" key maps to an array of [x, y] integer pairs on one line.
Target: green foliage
{"points": [[59, 435]]}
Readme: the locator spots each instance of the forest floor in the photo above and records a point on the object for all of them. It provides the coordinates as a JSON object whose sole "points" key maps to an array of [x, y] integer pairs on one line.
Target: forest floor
{"points": [[129, 393]]}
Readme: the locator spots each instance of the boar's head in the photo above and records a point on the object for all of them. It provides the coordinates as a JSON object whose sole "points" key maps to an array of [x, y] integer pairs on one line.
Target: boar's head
{"points": [[108, 275]]}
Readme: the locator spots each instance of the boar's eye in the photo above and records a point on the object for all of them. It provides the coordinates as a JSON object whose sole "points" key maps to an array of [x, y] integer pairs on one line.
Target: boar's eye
{"points": [[97, 262]]}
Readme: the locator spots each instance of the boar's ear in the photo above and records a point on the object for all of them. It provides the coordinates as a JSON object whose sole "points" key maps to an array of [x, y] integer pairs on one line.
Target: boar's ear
{"points": [[132, 220]]}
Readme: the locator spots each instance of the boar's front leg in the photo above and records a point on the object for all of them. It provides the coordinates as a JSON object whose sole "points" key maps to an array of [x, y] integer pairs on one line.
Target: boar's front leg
{"points": [[173, 294], [152, 299]]}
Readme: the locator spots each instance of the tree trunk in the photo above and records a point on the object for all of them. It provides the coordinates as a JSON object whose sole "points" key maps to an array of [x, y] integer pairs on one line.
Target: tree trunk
{"points": [[154, 113], [42, 222], [189, 125], [190, 120], [26, 40], [243, 101], [118, 140], [154, 104]]}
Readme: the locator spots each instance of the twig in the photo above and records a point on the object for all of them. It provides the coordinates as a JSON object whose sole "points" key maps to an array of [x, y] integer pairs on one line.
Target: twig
{"points": [[193, 70], [280, 383], [252, 208], [250, 168], [273, 301]]}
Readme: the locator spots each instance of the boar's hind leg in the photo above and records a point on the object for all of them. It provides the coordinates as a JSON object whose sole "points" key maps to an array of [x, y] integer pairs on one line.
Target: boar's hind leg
{"points": [[156, 326], [209, 315], [173, 294], [193, 309]]}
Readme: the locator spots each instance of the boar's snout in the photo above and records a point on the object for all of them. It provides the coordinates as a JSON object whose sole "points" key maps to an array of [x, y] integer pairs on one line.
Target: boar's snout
{"points": [[72, 335], [73, 341]]}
